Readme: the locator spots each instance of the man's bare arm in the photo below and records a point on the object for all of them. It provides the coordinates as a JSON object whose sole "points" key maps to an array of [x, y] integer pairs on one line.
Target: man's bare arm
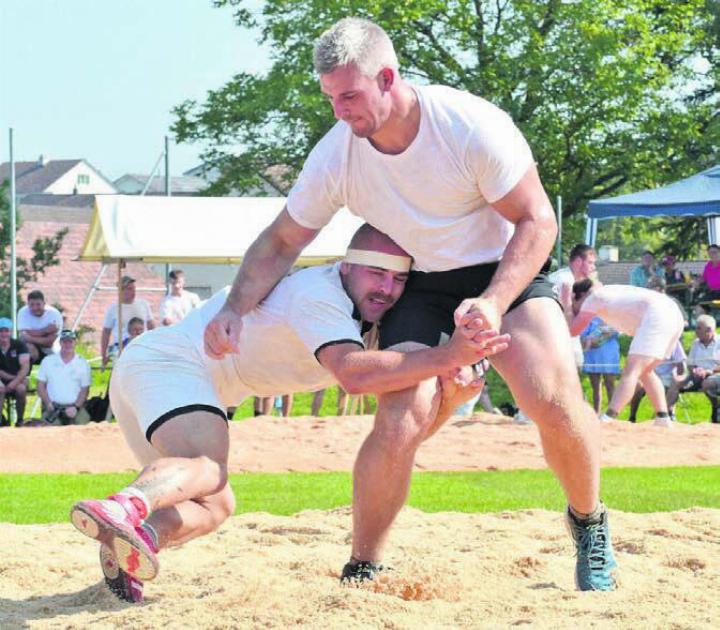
{"points": [[380, 371], [266, 262]]}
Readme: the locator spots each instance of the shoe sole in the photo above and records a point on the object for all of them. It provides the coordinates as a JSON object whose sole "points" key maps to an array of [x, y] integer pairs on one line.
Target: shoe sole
{"points": [[131, 557], [115, 582]]}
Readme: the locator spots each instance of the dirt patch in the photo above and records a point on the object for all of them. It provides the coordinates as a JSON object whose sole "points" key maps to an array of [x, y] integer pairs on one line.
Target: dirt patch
{"points": [[483, 442]]}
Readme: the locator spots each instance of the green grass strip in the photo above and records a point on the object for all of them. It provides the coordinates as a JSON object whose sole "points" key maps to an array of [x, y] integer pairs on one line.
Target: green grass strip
{"points": [[40, 498]]}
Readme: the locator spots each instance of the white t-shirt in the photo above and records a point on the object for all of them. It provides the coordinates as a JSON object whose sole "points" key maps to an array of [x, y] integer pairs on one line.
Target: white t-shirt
{"points": [[27, 321], [703, 356], [139, 308], [280, 338], [434, 198], [623, 307], [64, 380], [176, 307]]}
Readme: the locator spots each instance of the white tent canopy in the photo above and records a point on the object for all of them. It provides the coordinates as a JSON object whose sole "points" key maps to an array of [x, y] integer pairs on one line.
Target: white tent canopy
{"points": [[197, 229]]}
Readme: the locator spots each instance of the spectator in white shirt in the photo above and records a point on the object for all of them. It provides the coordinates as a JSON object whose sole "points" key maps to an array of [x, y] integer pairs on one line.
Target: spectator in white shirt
{"points": [[130, 307], [703, 360], [38, 326], [179, 302], [63, 383]]}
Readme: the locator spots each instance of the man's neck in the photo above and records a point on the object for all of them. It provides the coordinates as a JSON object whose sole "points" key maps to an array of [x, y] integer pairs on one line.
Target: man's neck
{"points": [[401, 127], [67, 356], [176, 292], [4, 345]]}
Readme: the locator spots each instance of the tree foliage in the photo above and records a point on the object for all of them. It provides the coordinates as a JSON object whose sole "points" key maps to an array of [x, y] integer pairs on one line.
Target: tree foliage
{"points": [[613, 95], [45, 254]]}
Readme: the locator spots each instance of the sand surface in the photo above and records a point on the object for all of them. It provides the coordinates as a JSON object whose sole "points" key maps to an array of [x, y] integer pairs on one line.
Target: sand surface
{"points": [[481, 442], [451, 570]]}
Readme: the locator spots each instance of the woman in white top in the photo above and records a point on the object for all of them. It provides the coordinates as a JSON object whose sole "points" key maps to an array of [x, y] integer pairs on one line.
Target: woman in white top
{"points": [[656, 324]]}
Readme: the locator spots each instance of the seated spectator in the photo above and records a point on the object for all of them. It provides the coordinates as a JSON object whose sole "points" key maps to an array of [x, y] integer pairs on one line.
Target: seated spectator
{"points": [[63, 383], [602, 358], [136, 327], [38, 326], [677, 284], [14, 368], [667, 372], [178, 302], [703, 361], [709, 282], [647, 268], [130, 307]]}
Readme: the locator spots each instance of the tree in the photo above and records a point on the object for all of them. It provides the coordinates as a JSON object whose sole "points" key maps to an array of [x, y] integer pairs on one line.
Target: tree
{"points": [[613, 95], [45, 254]]}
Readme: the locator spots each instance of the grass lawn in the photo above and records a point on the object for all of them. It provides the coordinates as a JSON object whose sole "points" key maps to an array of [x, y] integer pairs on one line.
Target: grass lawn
{"points": [[39, 498]]}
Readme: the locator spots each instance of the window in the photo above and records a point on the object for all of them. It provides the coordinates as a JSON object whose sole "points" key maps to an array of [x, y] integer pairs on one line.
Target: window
{"points": [[83, 179]]}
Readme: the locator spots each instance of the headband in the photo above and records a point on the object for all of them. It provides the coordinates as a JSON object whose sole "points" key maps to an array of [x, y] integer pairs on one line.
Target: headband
{"points": [[372, 258]]}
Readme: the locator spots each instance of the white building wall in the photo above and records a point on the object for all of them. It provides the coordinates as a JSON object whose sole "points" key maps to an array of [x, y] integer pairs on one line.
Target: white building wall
{"points": [[74, 181]]}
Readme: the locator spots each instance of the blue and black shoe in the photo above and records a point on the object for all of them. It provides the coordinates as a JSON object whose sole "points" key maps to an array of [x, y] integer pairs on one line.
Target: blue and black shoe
{"points": [[595, 565]]}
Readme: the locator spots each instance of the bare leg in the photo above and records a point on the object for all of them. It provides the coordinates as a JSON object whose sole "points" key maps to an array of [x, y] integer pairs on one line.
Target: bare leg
{"points": [[596, 391], [654, 389], [547, 388], [609, 385], [317, 402], [287, 403], [635, 402], [381, 476], [635, 366]]}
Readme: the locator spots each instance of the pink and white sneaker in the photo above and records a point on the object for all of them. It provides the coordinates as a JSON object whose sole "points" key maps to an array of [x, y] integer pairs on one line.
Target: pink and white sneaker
{"points": [[115, 522], [123, 585]]}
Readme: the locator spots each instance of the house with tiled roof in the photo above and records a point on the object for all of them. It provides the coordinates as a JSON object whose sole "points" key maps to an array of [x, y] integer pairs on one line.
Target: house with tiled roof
{"points": [[67, 284], [180, 186], [57, 177]]}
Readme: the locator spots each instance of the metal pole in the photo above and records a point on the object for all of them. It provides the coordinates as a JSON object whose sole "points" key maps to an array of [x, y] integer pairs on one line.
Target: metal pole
{"points": [[13, 238], [89, 296], [558, 249], [168, 192], [152, 174], [120, 303]]}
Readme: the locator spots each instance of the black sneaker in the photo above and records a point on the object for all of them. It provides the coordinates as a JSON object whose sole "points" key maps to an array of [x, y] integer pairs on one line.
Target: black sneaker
{"points": [[361, 571]]}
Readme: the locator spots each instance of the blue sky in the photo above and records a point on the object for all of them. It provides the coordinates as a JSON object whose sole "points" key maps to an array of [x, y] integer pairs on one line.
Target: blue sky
{"points": [[96, 79]]}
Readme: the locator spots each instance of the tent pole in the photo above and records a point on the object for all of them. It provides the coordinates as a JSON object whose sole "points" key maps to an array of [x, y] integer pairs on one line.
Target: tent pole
{"points": [[119, 303], [558, 250], [13, 239], [90, 295]]}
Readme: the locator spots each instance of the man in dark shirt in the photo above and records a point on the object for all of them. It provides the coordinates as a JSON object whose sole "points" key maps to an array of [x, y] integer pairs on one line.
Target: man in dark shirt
{"points": [[14, 368]]}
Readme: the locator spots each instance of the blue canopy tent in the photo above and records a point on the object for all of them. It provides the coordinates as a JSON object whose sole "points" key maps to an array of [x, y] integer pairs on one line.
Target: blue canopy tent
{"points": [[698, 195]]}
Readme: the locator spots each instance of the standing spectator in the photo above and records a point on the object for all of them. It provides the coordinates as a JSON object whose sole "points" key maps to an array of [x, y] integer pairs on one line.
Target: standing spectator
{"points": [[677, 283], [602, 358], [581, 265], [14, 368], [130, 307], [63, 383], [710, 280], [703, 360], [179, 302], [38, 326], [647, 268]]}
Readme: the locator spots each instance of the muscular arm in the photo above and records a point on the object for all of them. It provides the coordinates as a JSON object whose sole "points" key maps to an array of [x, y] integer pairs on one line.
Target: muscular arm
{"points": [[380, 371], [267, 261], [104, 342], [529, 209], [580, 322]]}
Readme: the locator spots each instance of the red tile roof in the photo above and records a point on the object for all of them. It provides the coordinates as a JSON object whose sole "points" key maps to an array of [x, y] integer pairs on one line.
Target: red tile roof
{"points": [[67, 284]]}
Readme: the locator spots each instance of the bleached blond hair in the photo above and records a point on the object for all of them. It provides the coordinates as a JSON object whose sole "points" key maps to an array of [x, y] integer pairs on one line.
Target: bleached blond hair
{"points": [[354, 41]]}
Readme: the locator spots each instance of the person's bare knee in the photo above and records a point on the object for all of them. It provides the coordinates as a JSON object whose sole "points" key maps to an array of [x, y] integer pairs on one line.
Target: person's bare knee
{"points": [[220, 507], [404, 418]]}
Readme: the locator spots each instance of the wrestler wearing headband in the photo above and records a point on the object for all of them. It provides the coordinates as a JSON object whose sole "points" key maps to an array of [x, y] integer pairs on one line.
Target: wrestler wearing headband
{"points": [[170, 398]]}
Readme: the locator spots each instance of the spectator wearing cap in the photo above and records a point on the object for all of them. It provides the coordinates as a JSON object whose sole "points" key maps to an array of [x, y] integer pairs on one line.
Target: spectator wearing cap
{"points": [[63, 383], [648, 268], [178, 302], [38, 326], [130, 307], [14, 368]]}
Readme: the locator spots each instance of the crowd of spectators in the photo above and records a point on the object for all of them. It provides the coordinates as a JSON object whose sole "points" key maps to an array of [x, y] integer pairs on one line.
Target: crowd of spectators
{"points": [[63, 377]]}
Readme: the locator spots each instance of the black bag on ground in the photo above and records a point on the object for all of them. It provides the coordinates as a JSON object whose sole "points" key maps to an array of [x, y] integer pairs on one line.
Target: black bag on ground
{"points": [[97, 407]]}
